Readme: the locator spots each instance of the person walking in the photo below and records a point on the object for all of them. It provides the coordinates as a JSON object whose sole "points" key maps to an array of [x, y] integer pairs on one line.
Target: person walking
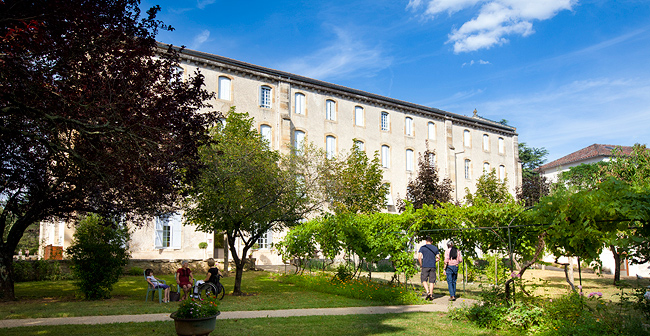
{"points": [[452, 259], [427, 257]]}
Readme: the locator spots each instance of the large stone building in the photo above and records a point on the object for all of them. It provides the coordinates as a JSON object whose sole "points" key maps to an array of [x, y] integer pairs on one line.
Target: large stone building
{"points": [[290, 109]]}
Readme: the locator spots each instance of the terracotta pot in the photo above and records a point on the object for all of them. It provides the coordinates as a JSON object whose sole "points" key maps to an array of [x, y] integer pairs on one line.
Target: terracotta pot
{"points": [[195, 326]]}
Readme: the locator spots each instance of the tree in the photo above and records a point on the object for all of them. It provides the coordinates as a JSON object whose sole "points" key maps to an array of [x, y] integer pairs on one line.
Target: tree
{"points": [[531, 158], [490, 188], [98, 253], [244, 189], [633, 170], [353, 183], [532, 189], [93, 116], [427, 187]]}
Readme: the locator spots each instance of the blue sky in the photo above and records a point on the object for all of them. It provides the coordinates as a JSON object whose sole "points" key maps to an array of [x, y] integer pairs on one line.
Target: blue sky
{"points": [[566, 73]]}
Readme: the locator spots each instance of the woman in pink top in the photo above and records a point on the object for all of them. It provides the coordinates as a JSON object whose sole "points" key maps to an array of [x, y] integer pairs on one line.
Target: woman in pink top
{"points": [[452, 259]]}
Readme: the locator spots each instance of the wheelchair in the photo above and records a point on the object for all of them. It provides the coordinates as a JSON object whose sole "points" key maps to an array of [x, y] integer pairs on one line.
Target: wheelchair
{"points": [[209, 288]]}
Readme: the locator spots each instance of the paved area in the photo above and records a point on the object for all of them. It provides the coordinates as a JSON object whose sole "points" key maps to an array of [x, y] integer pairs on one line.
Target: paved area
{"points": [[437, 305]]}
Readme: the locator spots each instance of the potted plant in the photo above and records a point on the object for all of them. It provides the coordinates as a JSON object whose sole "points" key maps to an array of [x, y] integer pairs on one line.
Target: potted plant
{"points": [[196, 317]]}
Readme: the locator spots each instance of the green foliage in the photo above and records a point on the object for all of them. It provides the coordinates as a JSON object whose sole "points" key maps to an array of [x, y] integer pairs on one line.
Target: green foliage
{"points": [[633, 168], [584, 176], [490, 188], [531, 158], [97, 254], [135, 271], [192, 308], [343, 273], [203, 245], [354, 184], [37, 270], [245, 189]]}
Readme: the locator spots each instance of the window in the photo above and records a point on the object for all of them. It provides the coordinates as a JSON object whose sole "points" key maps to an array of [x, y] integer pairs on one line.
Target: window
{"points": [[330, 110], [486, 167], [265, 97], [385, 122], [467, 169], [178, 74], [432, 131], [264, 242], [299, 140], [330, 146], [502, 172], [168, 231], [265, 131], [224, 87], [359, 145], [502, 146], [432, 159], [467, 141], [358, 116], [300, 103], [385, 156], [408, 126], [486, 142], [409, 160]]}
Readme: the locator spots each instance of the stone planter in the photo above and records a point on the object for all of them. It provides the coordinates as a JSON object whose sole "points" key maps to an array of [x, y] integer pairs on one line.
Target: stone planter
{"points": [[194, 327]]}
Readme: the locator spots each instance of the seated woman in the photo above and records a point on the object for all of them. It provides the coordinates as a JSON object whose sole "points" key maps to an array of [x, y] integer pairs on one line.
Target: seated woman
{"points": [[212, 276], [184, 279], [155, 283]]}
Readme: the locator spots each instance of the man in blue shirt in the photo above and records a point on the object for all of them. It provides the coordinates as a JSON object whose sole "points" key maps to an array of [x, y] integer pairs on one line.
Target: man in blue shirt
{"points": [[427, 257]]}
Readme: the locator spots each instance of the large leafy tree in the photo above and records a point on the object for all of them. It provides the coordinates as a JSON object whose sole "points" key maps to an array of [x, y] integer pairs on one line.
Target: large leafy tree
{"points": [[490, 188], [352, 183], [531, 158], [92, 117], [246, 189], [427, 188], [587, 182]]}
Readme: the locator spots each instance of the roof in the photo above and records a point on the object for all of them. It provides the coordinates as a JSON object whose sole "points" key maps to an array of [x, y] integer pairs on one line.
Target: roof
{"points": [[475, 120], [593, 151]]}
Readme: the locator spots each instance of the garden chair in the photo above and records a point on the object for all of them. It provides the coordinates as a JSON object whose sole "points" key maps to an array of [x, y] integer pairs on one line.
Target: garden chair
{"points": [[152, 290]]}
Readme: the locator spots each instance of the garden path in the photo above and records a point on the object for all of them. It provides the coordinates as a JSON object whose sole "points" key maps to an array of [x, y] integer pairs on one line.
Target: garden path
{"points": [[439, 304]]}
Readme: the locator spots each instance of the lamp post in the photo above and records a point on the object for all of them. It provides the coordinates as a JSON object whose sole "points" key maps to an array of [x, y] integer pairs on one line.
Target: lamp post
{"points": [[451, 147]]}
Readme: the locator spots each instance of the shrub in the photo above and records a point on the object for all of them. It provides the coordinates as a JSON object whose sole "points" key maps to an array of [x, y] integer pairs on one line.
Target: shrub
{"points": [[135, 271], [343, 273], [192, 308], [98, 254], [37, 270]]}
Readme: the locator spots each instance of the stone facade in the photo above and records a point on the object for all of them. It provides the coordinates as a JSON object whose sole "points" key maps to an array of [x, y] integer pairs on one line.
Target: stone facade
{"points": [[287, 107]]}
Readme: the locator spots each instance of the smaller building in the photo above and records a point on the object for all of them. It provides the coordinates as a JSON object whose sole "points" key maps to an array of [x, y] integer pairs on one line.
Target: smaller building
{"points": [[593, 154]]}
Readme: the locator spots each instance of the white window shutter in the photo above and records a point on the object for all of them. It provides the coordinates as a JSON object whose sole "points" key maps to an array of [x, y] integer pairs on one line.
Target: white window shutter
{"points": [[175, 223], [158, 233]]}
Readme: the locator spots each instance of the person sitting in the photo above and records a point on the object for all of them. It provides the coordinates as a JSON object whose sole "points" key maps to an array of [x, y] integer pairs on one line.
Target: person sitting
{"points": [[184, 279], [155, 283], [212, 276]]}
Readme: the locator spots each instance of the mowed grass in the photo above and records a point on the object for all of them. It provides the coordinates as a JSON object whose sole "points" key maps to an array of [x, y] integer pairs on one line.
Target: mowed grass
{"points": [[61, 299], [385, 324]]}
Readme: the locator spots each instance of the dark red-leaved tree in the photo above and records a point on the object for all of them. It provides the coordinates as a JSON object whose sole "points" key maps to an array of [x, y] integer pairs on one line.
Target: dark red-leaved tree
{"points": [[92, 118], [427, 188]]}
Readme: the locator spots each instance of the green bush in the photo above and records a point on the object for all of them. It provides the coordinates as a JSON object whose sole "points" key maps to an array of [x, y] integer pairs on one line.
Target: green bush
{"points": [[135, 271], [37, 270], [343, 273], [98, 254]]}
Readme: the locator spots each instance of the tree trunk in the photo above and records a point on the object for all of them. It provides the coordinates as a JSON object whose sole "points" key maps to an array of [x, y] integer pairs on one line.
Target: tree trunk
{"points": [[226, 246], [538, 252], [6, 276], [617, 264], [239, 271]]}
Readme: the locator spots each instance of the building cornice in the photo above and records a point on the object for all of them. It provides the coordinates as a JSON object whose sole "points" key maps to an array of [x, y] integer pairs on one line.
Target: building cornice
{"points": [[272, 75]]}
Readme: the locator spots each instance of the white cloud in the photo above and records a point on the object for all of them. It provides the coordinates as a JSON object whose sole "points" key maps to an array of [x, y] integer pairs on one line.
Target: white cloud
{"points": [[472, 62], [496, 19], [203, 3], [199, 39], [344, 56]]}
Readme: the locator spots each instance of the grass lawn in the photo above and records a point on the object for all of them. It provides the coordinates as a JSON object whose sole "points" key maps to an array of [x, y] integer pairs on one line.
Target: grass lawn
{"points": [[389, 324], [60, 298]]}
